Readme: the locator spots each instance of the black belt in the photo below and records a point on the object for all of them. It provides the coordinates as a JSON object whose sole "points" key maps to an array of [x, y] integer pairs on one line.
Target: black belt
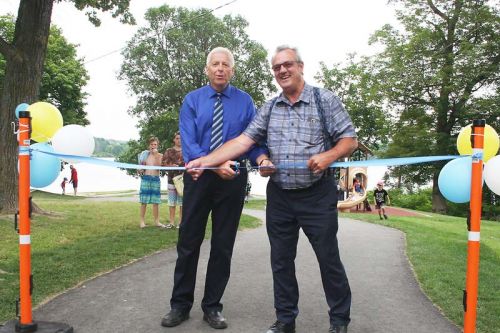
{"points": [[313, 185]]}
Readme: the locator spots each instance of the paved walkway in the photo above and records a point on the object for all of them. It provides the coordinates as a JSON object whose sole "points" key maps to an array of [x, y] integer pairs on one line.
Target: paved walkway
{"points": [[386, 296]]}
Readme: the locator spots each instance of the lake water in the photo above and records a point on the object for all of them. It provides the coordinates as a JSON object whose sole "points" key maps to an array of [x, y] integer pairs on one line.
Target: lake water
{"points": [[98, 178]]}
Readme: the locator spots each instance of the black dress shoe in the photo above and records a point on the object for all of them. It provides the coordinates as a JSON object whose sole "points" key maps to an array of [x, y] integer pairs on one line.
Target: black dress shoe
{"points": [[215, 319], [279, 327], [338, 329], [174, 318]]}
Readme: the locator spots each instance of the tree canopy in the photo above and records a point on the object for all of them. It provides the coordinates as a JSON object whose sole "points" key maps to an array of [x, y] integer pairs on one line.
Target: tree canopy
{"points": [[166, 59], [435, 74], [64, 75]]}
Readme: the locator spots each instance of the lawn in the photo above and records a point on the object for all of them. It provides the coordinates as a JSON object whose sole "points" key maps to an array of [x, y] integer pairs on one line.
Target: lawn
{"points": [[437, 249], [86, 239]]}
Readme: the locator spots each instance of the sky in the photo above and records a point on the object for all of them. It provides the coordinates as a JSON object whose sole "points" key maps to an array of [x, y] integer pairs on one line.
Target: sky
{"points": [[324, 31]]}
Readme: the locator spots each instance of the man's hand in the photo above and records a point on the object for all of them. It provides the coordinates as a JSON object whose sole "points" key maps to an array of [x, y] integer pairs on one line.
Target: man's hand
{"points": [[192, 169], [266, 168], [319, 163], [225, 172]]}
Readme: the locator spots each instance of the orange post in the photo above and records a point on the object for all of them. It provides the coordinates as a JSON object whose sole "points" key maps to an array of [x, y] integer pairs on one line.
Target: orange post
{"points": [[25, 323], [476, 197]]}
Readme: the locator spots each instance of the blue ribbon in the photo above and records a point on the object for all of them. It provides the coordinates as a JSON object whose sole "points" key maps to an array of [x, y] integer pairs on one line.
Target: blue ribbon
{"points": [[375, 162]]}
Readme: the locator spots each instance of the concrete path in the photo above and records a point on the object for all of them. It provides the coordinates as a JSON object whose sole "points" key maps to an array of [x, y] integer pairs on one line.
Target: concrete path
{"points": [[386, 296]]}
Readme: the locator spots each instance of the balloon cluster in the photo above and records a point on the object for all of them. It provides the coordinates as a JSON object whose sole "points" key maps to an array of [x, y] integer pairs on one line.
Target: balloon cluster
{"points": [[47, 126], [455, 178]]}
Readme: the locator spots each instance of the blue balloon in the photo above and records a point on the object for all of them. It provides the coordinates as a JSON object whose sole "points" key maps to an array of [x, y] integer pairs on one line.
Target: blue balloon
{"points": [[454, 180], [44, 168], [21, 107]]}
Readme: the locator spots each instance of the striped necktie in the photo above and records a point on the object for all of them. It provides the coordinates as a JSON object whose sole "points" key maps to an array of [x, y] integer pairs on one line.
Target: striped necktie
{"points": [[216, 140]]}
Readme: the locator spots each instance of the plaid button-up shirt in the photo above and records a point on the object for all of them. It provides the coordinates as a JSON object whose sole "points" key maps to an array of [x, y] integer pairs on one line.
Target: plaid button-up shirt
{"points": [[294, 133]]}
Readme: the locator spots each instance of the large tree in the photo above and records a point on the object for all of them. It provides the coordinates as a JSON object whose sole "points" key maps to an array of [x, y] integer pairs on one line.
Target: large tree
{"points": [[438, 73], [166, 59], [25, 57], [64, 75]]}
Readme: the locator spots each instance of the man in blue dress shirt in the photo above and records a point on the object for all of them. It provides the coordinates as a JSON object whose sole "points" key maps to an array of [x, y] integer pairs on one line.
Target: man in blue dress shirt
{"points": [[220, 191], [303, 126]]}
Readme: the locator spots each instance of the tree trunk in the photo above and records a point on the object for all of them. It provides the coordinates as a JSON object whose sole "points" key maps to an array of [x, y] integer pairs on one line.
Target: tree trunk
{"points": [[438, 202], [24, 65]]}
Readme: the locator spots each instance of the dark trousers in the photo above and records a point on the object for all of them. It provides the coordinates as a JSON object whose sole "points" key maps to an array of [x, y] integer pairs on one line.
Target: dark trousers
{"points": [[315, 211], [224, 198]]}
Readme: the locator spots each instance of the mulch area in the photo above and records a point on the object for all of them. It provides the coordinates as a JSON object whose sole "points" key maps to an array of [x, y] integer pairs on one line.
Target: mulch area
{"points": [[392, 211]]}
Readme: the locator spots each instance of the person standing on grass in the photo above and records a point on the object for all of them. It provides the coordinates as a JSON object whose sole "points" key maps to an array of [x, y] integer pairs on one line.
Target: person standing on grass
{"points": [[173, 158], [210, 116], [307, 126], [381, 197], [150, 182], [74, 178]]}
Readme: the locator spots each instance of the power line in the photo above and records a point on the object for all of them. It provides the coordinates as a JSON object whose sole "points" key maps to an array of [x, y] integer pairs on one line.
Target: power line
{"points": [[172, 27]]}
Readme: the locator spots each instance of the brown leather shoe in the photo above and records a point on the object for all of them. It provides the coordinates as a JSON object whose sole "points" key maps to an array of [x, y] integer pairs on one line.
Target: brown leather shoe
{"points": [[215, 319], [279, 327], [174, 318]]}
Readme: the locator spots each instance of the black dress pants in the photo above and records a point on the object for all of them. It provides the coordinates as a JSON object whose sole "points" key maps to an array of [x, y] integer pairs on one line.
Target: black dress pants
{"points": [[225, 199], [313, 209]]}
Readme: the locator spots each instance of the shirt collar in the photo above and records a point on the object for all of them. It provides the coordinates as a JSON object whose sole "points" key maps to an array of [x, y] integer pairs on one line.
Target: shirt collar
{"points": [[226, 92], [306, 95]]}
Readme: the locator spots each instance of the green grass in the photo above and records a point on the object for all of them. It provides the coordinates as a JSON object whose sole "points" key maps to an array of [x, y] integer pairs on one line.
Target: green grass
{"points": [[437, 249], [84, 240], [255, 204]]}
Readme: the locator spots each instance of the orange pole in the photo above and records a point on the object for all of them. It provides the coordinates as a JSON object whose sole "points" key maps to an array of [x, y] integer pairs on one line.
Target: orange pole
{"points": [[476, 197], [25, 323]]}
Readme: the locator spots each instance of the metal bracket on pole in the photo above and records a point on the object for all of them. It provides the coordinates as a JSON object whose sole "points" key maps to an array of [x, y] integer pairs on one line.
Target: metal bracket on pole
{"points": [[464, 300], [17, 308], [15, 222], [468, 220], [31, 206]]}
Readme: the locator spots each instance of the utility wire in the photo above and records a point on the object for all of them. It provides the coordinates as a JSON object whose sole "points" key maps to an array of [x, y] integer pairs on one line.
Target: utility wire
{"points": [[172, 27]]}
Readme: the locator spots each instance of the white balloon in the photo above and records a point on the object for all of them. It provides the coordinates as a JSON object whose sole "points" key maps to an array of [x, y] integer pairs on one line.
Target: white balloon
{"points": [[73, 140], [492, 174]]}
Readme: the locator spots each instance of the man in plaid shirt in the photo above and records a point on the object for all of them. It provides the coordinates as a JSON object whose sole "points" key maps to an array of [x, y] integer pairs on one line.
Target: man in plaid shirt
{"points": [[306, 129]]}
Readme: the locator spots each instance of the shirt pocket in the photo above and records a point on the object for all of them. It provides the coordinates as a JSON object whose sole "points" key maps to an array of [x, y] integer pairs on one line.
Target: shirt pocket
{"points": [[311, 132]]}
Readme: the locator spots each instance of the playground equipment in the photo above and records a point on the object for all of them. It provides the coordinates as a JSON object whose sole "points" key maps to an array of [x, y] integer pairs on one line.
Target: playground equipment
{"points": [[353, 198], [348, 198]]}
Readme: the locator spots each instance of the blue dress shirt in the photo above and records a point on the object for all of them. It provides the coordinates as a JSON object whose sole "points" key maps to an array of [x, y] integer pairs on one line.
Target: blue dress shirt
{"points": [[196, 118]]}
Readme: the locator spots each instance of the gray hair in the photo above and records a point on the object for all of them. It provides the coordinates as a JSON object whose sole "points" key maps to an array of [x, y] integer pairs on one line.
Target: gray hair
{"points": [[221, 50], [284, 47]]}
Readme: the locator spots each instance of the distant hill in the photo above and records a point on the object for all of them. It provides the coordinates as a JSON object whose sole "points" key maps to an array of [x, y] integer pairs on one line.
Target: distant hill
{"points": [[109, 147]]}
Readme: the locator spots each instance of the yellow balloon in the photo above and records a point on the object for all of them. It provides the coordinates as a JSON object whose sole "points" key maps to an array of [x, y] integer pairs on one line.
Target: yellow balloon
{"points": [[491, 142], [46, 120]]}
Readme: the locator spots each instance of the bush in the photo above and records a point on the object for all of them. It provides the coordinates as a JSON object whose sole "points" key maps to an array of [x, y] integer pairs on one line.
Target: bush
{"points": [[422, 201]]}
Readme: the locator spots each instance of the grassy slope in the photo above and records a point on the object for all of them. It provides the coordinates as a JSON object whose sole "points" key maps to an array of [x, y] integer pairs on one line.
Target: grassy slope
{"points": [[437, 248]]}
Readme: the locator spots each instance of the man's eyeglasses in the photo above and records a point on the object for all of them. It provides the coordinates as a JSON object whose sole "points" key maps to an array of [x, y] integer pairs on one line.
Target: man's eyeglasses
{"points": [[286, 64]]}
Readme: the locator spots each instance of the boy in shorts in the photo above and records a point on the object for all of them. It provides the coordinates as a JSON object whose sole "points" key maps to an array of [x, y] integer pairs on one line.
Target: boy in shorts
{"points": [[150, 181], [381, 197]]}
